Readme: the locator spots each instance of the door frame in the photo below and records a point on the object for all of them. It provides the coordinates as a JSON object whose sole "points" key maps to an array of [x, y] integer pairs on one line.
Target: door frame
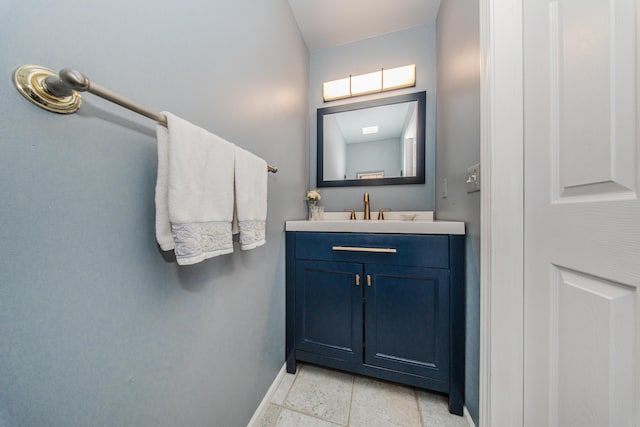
{"points": [[502, 214]]}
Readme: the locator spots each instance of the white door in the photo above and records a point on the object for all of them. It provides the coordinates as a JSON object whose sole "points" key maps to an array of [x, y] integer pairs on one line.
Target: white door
{"points": [[582, 213]]}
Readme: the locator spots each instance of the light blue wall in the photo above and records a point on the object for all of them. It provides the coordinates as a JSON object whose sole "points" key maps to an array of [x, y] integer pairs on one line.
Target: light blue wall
{"points": [[413, 46], [382, 155], [97, 326], [458, 147]]}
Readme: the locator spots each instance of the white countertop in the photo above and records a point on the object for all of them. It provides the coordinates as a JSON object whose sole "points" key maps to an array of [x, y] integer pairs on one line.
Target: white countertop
{"points": [[375, 226]]}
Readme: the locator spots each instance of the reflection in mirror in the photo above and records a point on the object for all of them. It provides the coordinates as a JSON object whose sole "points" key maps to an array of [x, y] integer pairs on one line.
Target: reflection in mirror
{"points": [[373, 142]]}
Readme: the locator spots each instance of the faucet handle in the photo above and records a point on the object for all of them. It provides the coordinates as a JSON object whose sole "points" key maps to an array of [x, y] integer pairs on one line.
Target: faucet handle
{"points": [[381, 213], [353, 213]]}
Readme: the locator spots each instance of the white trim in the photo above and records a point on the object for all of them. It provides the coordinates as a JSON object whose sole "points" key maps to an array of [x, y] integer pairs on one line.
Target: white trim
{"points": [[467, 416], [502, 213], [267, 397], [484, 407]]}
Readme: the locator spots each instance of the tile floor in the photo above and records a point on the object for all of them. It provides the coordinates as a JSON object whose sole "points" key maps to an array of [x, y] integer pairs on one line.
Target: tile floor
{"points": [[319, 397]]}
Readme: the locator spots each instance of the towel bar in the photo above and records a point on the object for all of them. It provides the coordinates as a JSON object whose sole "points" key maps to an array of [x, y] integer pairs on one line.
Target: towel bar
{"points": [[58, 92]]}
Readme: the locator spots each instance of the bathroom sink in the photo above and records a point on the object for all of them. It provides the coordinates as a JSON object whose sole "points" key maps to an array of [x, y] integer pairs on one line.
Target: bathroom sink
{"points": [[402, 222]]}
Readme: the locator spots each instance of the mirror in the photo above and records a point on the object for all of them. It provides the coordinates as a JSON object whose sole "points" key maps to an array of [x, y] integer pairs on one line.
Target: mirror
{"points": [[377, 142]]}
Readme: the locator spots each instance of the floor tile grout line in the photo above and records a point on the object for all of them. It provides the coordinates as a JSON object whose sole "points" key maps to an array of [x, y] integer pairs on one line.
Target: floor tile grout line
{"points": [[298, 411], [295, 377], [281, 407], [278, 386], [270, 402], [353, 386], [326, 420], [284, 401], [284, 405], [277, 416], [415, 395]]}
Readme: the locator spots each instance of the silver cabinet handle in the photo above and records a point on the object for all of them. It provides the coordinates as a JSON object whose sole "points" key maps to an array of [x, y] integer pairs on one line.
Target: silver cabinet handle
{"points": [[361, 249]]}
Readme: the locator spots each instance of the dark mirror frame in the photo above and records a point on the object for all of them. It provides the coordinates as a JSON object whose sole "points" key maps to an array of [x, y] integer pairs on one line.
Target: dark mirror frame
{"points": [[420, 97]]}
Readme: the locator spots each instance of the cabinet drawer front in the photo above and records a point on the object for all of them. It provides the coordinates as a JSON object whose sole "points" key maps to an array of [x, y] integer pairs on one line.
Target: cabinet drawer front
{"points": [[398, 249]]}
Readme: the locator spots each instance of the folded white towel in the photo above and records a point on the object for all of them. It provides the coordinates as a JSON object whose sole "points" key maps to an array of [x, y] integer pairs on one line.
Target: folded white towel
{"points": [[199, 169], [163, 225], [251, 198]]}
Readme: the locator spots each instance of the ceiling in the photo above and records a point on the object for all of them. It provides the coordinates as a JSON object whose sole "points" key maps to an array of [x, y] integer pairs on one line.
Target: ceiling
{"points": [[390, 120], [329, 23]]}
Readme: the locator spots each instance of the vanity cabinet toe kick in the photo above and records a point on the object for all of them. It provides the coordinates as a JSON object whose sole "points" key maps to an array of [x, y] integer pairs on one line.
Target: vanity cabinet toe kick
{"points": [[389, 306]]}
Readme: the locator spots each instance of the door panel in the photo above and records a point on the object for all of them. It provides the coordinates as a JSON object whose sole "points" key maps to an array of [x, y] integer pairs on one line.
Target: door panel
{"points": [[329, 309], [592, 99], [592, 330], [407, 319], [582, 214]]}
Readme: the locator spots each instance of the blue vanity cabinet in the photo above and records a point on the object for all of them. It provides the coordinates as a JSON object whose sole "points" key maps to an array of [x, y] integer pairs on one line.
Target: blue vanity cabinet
{"points": [[389, 306]]}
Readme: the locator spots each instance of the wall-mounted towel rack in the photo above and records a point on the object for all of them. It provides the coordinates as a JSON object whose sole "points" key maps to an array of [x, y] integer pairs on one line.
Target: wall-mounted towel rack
{"points": [[58, 92]]}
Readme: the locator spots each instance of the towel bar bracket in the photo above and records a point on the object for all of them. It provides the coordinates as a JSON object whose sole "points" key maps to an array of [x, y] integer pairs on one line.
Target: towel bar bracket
{"points": [[30, 82]]}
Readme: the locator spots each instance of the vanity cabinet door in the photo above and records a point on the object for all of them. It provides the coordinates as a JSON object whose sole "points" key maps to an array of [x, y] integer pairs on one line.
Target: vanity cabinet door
{"points": [[328, 310], [407, 319]]}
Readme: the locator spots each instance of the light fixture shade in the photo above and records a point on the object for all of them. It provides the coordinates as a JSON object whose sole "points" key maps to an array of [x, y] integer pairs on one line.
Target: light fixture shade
{"points": [[336, 89], [396, 78], [366, 83], [363, 84]]}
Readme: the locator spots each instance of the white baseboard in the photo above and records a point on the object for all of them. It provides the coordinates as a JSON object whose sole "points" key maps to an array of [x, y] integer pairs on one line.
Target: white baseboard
{"points": [[467, 415], [267, 397]]}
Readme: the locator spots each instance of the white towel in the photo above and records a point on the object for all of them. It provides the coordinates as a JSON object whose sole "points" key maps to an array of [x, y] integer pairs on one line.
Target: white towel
{"points": [[194, 191], [163, 225], [251, 198]]}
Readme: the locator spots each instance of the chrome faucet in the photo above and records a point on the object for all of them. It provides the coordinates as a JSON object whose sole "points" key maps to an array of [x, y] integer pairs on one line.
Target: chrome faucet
{"points": [[367, 208]]}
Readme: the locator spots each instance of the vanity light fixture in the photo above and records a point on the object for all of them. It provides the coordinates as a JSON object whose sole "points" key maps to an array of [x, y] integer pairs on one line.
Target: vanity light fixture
{"points": [[369, 130], [364, 84]]}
